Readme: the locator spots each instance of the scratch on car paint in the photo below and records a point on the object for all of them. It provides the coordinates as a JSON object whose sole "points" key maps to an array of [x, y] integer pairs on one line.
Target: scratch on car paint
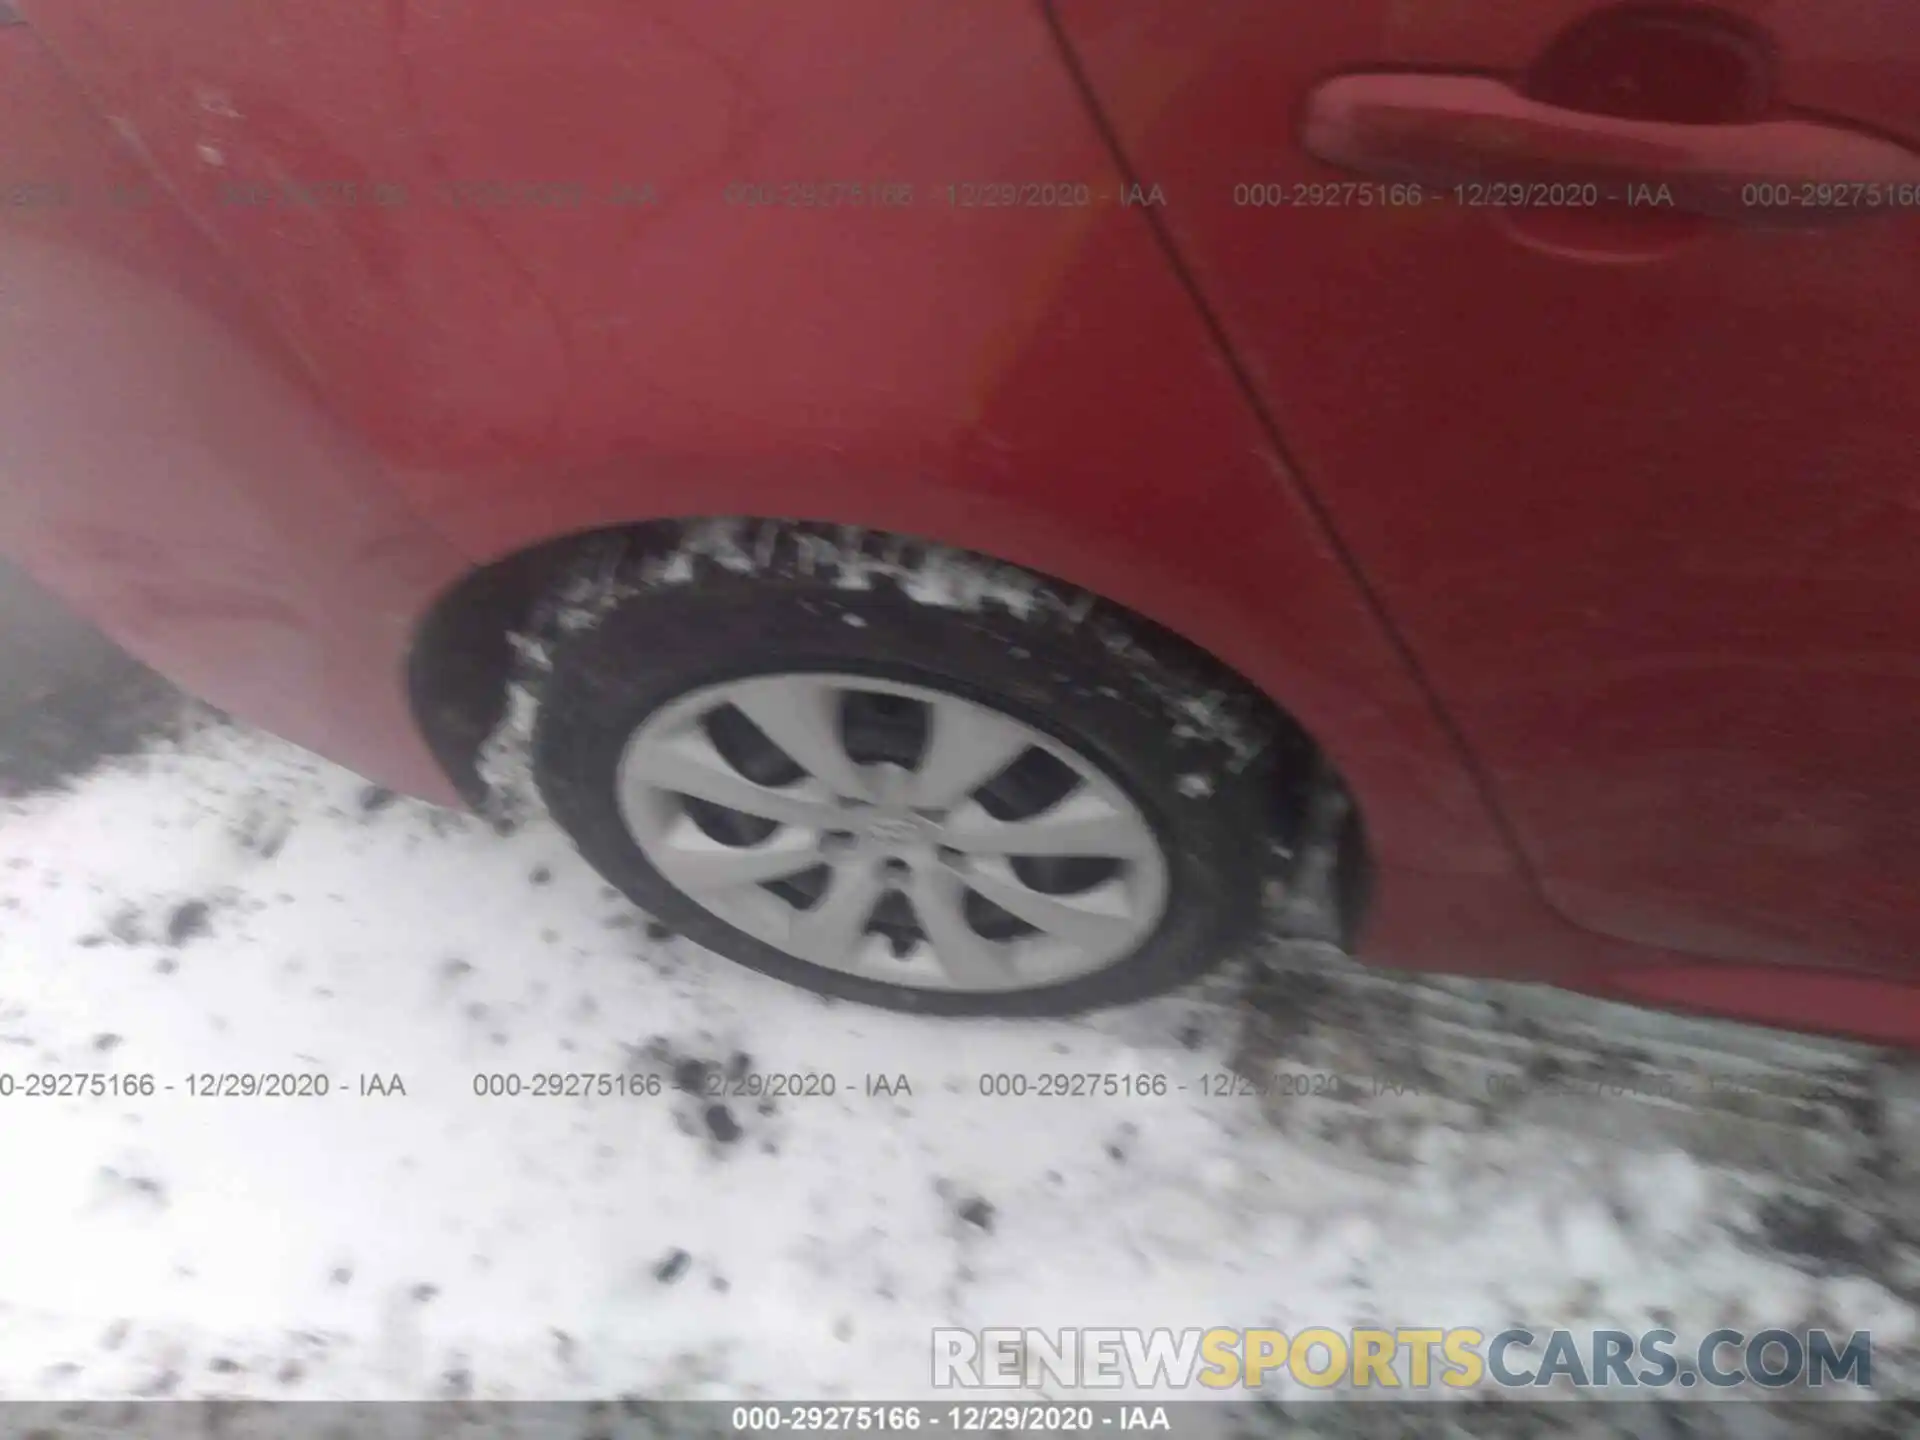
{"points": [[215, 102]]}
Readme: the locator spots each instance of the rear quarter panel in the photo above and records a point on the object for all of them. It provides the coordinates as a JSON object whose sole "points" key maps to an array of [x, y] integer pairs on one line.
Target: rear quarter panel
{"points": [[1034, 383], [166, 467]]}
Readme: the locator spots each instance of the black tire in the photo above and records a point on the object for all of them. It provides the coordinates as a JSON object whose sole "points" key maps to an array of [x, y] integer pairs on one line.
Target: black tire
{"points": [[682, 607]]}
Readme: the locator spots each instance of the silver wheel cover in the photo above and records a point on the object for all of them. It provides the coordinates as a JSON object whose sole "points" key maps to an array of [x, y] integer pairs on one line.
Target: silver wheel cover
{"points": [[846, 835]]}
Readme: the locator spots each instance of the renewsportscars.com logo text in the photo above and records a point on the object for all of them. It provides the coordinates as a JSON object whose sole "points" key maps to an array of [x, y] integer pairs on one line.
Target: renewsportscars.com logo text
{"points": [[1409, 1358]]}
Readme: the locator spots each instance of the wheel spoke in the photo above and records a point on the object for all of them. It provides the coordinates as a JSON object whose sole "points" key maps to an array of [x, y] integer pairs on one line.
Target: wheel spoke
{"points": [[688, 764], [1098, 919], [694, 860], [966, 747], [801, 714], [829, 933], [1082, 824], [970, 960]]}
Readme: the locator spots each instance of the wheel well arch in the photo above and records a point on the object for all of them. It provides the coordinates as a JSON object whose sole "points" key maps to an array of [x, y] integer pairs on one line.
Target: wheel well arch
{"points": [[462, 663]]}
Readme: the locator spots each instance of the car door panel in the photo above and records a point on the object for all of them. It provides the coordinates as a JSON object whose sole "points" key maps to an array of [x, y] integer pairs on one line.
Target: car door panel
{"points": [[1639, 490]]}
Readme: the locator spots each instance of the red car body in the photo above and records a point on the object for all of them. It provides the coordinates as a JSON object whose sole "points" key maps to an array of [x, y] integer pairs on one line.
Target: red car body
{"points": [[1585, 542]]}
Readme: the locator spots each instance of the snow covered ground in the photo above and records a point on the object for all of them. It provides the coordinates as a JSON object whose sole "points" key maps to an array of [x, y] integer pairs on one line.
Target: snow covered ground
{"points": [[226, 903]]}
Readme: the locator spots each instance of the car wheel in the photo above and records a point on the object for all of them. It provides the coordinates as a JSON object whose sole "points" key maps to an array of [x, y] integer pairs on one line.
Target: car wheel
{"points": [[902, 775]]}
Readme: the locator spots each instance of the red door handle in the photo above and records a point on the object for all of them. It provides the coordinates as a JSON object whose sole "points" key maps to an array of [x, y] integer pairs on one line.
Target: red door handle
{"points": [[1450, 130]]}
